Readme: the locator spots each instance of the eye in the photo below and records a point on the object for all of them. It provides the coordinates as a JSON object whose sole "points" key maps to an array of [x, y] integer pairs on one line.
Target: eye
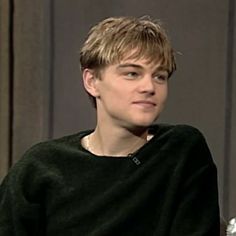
{"points": [[161, 78], [131, 75]]}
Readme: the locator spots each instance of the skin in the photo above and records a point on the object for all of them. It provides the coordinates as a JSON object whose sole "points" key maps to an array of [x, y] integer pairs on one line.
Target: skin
{"points": [[130, 96]]}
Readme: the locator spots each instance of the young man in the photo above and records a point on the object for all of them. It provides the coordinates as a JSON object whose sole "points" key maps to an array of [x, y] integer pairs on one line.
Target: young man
{"points": [[127, 176]]}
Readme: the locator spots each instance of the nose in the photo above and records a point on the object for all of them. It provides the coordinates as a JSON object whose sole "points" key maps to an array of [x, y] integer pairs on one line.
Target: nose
{"points": [[147, 85]]}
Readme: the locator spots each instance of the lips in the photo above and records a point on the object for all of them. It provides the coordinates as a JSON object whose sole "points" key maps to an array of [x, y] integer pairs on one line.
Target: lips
{"points": [[145, 103]]}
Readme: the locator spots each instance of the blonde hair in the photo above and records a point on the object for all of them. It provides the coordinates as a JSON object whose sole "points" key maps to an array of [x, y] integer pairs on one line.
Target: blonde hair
{"points": [[116, 38]]}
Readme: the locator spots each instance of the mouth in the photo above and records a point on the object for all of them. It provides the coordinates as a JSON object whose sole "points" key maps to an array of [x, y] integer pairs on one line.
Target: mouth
{"points": [[145, 103]]}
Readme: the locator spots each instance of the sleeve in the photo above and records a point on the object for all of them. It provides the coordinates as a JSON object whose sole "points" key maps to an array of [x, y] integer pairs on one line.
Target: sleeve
{"points": [[20, 213], [198, 209]]}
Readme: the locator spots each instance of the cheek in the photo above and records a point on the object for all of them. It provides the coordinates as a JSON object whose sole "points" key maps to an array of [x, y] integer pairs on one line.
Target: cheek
{"points": [[163, 94], [119, 93], [166, 94], [112, 96]]}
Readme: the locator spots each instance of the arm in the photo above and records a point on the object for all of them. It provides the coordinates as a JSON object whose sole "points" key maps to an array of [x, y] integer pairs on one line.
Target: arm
{"points": [[19, 215], [198, 211]]}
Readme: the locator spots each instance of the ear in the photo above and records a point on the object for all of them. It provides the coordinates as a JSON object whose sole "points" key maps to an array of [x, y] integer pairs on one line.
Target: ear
{"points": [[90, 82]]}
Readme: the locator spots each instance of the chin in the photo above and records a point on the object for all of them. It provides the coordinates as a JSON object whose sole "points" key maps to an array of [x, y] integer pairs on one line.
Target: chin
{"points": [[144, 123], [138, 121]]}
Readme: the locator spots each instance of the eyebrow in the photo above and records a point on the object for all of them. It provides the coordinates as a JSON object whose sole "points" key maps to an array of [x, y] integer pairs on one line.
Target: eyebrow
{"points": [[125, 65], [129, 65]]}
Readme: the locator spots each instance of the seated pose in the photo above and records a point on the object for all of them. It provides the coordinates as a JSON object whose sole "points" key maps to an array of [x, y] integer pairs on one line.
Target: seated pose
{"points": [[129, 175]]}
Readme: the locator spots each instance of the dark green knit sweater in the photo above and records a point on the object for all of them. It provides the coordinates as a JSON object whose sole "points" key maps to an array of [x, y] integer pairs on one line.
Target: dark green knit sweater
{"points": [[168, 187]]}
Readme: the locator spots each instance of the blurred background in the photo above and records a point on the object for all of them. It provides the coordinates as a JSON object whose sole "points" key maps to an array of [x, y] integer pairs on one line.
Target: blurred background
{"points": [[41, 93]]}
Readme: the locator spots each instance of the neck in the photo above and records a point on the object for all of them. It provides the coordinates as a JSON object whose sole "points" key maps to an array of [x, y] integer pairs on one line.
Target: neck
{"points": [[116, 142]]}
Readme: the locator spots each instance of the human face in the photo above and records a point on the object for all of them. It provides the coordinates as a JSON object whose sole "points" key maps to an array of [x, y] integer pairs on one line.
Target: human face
{"points": [[131, 93]]}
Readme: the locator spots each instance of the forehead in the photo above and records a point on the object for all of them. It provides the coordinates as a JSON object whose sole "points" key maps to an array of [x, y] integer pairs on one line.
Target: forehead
{"points": [[141, 54], [134, 64], [135, 59], [140, 63], [144, 57]]}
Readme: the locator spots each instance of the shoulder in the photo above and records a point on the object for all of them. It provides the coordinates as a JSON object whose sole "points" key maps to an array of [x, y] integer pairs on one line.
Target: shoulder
{"points": [[47, 155], [187, 136], [191, 137], [188, 132], [55, 146], [184, 142], [178, 131]]}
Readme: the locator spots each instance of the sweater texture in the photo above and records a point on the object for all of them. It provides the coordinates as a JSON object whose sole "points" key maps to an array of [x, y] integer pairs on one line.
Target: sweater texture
{"points": [[166, 188]]}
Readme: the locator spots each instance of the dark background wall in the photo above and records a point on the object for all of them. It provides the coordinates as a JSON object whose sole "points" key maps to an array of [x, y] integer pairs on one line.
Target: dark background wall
{"points": [[41, 94]]}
